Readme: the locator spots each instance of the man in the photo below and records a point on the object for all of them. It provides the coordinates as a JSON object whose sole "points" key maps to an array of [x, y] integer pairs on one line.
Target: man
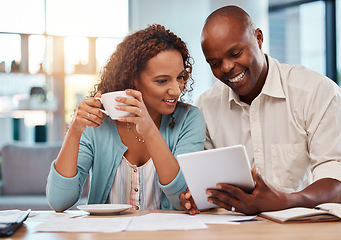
{"points": [[288, 117]]}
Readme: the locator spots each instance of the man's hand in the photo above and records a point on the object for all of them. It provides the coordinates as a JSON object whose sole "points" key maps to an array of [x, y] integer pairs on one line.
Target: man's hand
{"points": [[263, 198]]}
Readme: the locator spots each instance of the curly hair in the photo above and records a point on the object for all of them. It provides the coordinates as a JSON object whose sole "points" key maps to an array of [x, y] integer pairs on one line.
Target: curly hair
{"points": [[132, 55]]}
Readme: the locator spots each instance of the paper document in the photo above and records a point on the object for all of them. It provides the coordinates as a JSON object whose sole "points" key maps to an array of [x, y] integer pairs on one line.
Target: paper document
{"points": [[223, 219], [165, 221], [106, 225], [10, 216], [151, 222], [41, 216]]}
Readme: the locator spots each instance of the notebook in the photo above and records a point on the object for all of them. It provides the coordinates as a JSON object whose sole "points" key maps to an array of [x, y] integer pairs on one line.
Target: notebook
{"points": [[321, 213], [204, 169]]}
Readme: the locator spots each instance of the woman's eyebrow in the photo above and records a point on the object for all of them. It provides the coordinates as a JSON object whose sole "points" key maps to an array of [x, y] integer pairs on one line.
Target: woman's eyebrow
{"points": [[161, 76]]}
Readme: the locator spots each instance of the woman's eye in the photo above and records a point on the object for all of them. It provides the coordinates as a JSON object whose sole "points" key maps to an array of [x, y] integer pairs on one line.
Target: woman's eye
{"points": [[182, 77], [161, 81]]}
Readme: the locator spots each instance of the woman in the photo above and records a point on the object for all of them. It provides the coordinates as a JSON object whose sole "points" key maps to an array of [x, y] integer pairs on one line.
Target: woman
{"points": [[132, 159]]}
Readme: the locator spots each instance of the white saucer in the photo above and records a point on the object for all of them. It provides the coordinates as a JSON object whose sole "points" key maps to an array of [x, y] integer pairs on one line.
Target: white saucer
{"points": [[104, 208]]}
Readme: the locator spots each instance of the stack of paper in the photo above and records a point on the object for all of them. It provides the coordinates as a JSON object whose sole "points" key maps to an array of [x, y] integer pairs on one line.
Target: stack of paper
{"points": [[149, 222]]}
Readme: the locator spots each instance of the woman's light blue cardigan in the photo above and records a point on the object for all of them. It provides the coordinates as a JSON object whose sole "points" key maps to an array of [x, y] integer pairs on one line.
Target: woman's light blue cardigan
{"points": [[101, 151]]}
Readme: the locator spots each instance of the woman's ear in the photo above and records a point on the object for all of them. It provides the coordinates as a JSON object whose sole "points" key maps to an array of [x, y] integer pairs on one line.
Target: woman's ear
{"points": [[136, 82]]}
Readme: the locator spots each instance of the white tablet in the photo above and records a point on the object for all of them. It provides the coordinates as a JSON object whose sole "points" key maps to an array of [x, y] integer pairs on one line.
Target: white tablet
{"points": [[204, 169]]}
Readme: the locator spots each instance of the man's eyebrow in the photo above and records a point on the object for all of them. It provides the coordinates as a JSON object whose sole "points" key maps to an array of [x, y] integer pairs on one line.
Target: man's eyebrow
{"points": [[234, 47], [231, 49], [211, 59]]}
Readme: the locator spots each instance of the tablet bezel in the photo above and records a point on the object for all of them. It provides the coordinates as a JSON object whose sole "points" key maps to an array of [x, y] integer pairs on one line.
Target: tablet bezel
{"points": [[204, 169]]}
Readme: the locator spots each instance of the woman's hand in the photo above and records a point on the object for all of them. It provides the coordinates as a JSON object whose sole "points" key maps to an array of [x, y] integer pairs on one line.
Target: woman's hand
{"points": [[87, 114], [187, 203], [139, 113], [167, 167]]}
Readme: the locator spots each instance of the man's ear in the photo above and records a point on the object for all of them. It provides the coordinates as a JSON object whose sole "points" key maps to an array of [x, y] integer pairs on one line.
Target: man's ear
{"points": [[259, 37]]}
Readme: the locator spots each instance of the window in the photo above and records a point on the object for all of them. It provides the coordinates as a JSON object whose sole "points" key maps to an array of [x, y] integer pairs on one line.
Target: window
{"points": [[294, 40], [298, 34], [22, 16], [10, 48], [57, 45], [100, 18]]}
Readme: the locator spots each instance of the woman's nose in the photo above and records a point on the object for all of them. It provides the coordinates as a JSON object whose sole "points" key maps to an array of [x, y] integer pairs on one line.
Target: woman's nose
{"points": [[174, 89]]}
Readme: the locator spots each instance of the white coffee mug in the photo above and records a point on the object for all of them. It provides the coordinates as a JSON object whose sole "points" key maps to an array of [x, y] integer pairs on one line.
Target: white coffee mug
{"points": [[109, 104]]}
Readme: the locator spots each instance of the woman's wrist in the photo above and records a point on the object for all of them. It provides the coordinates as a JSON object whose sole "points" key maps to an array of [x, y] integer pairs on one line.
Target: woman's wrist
{"points": [[74, 131], [152, 132]]}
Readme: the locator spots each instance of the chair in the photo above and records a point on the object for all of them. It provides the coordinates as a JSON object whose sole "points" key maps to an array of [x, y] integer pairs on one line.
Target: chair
{"points": [[24, 172]]}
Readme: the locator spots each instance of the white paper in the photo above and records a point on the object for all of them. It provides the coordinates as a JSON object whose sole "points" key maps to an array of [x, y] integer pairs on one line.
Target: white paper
{"points": [[79, 222], [334, 208], [41, 216], [165, 221], [222, 219], [10, 216], [106, 225]]}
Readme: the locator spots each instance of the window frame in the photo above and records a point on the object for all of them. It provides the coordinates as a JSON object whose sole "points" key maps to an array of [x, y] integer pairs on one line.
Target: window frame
{"points": [[330, 32]]}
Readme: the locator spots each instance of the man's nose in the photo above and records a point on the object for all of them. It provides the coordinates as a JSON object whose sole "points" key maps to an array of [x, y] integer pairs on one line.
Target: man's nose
{"points": [[226, 66]]}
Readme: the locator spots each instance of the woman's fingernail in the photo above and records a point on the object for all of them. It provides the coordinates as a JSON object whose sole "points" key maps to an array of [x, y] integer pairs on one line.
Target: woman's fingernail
{"points": [[127, 90], [118, 107], [208, 193], [187, 205]]}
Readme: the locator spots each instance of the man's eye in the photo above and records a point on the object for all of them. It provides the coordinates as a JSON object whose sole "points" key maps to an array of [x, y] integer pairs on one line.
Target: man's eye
{"points": [[213, 64], [236, 54]]}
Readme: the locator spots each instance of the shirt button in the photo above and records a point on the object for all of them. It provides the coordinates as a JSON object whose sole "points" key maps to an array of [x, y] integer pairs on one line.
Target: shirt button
{"points": [[137, 207], [136, 189], [135, 170]]}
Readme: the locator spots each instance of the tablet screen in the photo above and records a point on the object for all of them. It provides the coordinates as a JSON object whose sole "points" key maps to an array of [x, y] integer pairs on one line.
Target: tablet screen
{"points": [[204, 169]]}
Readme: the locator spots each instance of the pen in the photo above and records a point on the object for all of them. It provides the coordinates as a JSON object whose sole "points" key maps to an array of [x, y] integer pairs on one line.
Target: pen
{"points": [[22, 218], [323, 209]]}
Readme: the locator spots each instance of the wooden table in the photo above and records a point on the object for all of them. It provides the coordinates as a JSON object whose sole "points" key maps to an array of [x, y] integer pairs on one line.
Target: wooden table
{"points": [[262, 230]]}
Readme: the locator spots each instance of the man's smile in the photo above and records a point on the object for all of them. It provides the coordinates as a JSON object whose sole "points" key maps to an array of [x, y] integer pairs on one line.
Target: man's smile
{"points": [[237, 78]]}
